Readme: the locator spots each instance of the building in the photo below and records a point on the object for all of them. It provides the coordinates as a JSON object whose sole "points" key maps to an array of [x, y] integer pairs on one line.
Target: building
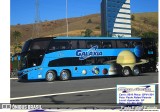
{"points": [[115, 18]]}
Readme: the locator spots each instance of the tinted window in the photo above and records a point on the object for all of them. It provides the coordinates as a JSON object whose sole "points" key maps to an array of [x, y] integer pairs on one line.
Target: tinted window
{"points": [[106, 44], [39, 45], [74, 61], [135, 43], [59, 45], [90, 44], [124, 44], [74, 44], [26, 46], [65, 62], [82, 44]]}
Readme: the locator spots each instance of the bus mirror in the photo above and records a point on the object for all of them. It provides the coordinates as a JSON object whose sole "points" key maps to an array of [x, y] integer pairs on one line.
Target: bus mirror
{"points": [[18, 57]]}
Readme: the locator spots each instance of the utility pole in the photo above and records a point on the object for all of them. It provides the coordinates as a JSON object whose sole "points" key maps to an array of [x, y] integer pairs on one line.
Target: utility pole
{"points": [[36, 25], [67, 16]]}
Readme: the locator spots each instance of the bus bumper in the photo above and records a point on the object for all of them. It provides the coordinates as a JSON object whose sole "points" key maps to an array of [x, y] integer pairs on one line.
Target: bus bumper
{"points": [[22, 76]]}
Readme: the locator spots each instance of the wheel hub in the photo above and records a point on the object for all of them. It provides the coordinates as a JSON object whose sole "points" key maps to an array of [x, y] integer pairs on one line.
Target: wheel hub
{"points": [[50, 76], [64, 75], [126, 72]]}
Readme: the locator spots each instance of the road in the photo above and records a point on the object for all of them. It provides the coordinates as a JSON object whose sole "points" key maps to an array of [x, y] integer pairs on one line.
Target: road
{"points": [[75, 91]]}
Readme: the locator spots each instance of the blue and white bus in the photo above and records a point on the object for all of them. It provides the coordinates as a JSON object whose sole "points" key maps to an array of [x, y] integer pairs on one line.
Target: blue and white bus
{"points": [[62, 58]]}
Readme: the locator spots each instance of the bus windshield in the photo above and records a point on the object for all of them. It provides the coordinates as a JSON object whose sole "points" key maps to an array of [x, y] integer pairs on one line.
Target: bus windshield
{"points": [[39, 45], [33, 52], [31, 59], [26, 46], [35, 45]]}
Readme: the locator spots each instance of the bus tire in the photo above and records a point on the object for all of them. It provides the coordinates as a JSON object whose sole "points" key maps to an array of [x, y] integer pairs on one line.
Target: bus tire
{"points": [[136, 71], [50, 76], [65, 75], [126, 71]]}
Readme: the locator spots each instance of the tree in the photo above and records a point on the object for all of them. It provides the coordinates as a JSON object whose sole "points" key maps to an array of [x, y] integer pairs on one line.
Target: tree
{"points": [[145, 20], [135, 32], [97, 27], [150, 35], [87, 32], [16, 35], [89, 21], [132, 17]]}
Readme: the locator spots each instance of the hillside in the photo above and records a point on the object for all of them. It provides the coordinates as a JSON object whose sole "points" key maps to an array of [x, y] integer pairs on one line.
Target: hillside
{"points": [[58, 27], [145, 22], [141, 22]]}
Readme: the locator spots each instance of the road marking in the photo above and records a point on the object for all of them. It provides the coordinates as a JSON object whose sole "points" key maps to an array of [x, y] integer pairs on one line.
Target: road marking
{"points": [[66, 93], [13, 78], [155, 83], [74, 92]]}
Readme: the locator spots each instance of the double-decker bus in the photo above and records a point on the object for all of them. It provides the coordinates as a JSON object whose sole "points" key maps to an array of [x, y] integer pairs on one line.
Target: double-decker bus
{"points": [[62, 58]]}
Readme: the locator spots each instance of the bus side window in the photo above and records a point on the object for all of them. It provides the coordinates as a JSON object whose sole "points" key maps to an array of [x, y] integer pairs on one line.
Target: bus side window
{"points": [[55, 46], [90, 44], [107, 45], [123, 44], [52, 46], [74, 44], [90, 61], [82, 44], [135, 43], [64, 45], [126, 44]]}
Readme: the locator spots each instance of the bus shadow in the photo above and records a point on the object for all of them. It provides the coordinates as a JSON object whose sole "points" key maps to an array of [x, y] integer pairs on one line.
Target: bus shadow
{"points": [[52, 99], [93, 77], [31, 81], [89, 77]]}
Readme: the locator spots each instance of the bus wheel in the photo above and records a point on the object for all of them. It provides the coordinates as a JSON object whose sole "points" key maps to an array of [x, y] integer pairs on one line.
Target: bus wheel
{"points": [[136, 71], [50, 76], [65, 75], [126, 71]]}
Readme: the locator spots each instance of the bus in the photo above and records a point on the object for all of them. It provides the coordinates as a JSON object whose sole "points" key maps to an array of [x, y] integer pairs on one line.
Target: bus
{"points": [[63, 58]]}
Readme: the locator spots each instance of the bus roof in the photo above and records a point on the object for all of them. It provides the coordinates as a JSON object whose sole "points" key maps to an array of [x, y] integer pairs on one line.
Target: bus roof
{"points": [[98, 38], [87, 38]]}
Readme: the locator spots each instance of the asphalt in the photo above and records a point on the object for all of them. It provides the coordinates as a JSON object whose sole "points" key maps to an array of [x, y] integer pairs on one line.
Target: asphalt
{"points": [[75, 91]]}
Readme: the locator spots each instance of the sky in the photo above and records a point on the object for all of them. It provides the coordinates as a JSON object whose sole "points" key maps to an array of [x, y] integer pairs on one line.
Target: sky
{"points": [[24, 11]]}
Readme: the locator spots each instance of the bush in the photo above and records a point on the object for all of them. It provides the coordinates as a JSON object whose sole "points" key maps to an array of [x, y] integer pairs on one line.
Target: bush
{"points": [[150, 35], [132, 17], [87, 33], [89, 21], [97, 27], [135, 32]]}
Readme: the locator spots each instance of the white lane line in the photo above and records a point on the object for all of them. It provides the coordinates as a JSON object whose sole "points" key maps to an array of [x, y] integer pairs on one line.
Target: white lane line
{"points": [[65, 93], [84, 91], [154, 83], [13, 78]]}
